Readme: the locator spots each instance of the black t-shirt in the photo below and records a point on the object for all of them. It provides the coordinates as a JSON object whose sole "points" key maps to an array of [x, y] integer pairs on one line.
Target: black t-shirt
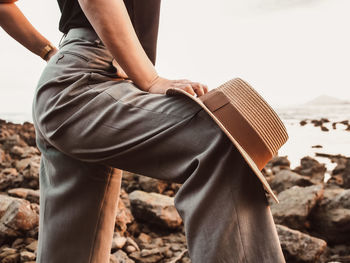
{"points": [[72, 15], [144, 15]]}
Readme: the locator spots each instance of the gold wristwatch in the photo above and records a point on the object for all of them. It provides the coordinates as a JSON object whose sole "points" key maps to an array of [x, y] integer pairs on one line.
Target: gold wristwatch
{"points": [[46, 50]]}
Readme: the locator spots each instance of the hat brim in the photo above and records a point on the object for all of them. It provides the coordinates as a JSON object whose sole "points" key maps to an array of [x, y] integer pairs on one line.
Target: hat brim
{"points": [[245, 155]]}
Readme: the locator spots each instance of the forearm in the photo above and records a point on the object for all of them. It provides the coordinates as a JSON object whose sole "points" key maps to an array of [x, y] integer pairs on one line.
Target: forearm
{"points": [[17, 26], [111, 22]]}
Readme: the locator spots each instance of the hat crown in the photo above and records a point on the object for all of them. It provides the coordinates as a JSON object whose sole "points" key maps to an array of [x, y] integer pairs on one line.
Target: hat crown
{"points": [[257, 112]]}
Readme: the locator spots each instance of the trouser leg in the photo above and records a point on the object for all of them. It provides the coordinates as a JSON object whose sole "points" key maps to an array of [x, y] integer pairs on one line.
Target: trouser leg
{"points": [[78, 203], [222, 203]]}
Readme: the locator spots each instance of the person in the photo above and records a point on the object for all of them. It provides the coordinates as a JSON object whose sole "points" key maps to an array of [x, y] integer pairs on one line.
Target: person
{"points": [[10, 17], [100, 105]]}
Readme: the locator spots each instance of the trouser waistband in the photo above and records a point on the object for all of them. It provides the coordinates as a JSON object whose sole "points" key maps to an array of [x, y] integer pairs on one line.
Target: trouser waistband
{"points": [[85, 33]]}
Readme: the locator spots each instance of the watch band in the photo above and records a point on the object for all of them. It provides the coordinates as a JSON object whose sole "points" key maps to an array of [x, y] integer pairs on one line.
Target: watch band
{"points": [[46, 50]]}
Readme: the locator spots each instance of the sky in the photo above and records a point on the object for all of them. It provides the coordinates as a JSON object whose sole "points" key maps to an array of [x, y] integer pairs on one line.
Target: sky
{"points": [[290, 51]]}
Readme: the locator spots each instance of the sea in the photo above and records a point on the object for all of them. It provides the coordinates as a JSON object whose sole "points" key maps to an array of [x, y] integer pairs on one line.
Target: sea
{"points": [[301, 138]]}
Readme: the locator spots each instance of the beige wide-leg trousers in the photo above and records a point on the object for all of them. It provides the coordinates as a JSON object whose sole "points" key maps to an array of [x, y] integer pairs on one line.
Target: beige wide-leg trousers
{"points": [[88, 123]]}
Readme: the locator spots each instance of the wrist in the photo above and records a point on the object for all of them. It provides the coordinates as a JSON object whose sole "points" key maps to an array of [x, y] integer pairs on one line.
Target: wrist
{"points": [[46, 51], [151, 84]]}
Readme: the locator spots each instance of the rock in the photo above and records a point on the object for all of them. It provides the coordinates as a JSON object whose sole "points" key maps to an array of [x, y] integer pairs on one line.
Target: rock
{"points": [[324, 128], [149, 255], [118, 241], [130, 181], [340, 174], [18, 243], [27, 256], [30, 151], [25, 193], [155, 208], [285, 179], [300, 247], [312, 168], [14, 258], [280, 161], [2, 156], [303, 122], [121, 257], [13, 140], [10, 177], [17, 151], [144, 238], [16, 216], [295, 205], [130, 249], [5, 252], [124, 217], [32, 246], [340, 168], [32, 169], [132, 243], [331, 217], [22, 164], [149, 184], [316, 122]]}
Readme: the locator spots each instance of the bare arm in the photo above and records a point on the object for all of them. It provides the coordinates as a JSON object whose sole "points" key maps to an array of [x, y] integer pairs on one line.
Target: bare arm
{"points": [[111, 22], [17, 26]]}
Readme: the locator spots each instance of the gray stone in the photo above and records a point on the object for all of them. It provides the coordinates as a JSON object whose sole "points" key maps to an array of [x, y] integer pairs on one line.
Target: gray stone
{"points": [[285, 179], [300, 247], [155, 209], [295, 205], [331, 218]]}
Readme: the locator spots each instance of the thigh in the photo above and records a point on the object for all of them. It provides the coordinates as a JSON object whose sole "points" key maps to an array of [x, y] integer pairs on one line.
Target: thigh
{"points": [[83, 111]]}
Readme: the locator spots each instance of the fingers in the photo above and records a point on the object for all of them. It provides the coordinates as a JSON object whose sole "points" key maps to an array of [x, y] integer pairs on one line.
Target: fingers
{"points": [[186, 87], [191, 87]]}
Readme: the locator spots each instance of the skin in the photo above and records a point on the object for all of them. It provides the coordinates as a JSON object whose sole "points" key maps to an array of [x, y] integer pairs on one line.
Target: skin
{"points": [[26, 34], [120, 38]]}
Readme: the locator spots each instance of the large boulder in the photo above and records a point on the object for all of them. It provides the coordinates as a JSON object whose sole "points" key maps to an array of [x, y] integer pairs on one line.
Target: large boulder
{"points": [[295, 205], [16, 216], [331, 217], [299, 247], [285, 179], [155, 208]]}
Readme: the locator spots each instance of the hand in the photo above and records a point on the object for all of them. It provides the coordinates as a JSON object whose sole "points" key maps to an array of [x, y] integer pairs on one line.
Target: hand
{"points": [[161, 85]]}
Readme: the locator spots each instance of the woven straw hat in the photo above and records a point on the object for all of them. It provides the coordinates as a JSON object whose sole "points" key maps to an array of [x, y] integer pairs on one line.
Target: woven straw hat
{"points": [[247, 119]]}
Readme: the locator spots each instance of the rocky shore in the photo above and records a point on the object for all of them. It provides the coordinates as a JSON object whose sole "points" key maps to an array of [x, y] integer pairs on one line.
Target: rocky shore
{"points": [[312, 218], [322, 121]]}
